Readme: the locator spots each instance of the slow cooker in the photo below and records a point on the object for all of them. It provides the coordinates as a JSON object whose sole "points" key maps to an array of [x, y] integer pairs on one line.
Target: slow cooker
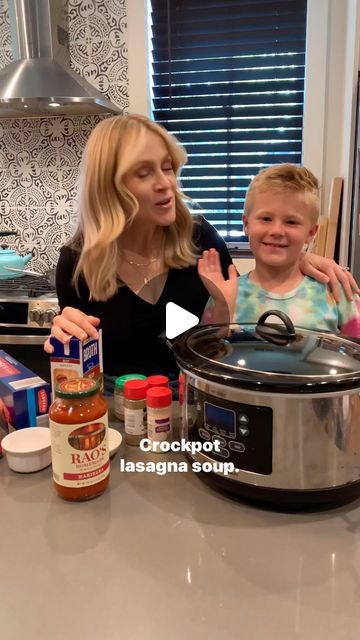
{"points": [[284, 404]]}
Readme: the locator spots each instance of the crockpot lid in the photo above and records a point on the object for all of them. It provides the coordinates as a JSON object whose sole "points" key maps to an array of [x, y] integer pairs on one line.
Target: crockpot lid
{"points": [[271, 354]]}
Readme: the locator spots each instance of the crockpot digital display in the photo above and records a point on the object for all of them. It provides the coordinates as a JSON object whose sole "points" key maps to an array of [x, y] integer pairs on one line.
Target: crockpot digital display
{"points": [[244, 432]]}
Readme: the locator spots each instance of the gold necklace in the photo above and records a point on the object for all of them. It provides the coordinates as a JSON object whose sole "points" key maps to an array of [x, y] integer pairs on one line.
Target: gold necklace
{"points": [[136, 266], [140, 264]]}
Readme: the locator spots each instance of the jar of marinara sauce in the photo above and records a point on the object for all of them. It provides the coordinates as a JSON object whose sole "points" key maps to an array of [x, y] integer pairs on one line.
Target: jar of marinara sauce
{"points": [[79, 439]]}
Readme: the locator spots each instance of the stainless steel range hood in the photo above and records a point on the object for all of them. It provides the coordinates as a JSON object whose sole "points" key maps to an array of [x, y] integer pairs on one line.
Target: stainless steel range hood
{"points": [[39, 76]]}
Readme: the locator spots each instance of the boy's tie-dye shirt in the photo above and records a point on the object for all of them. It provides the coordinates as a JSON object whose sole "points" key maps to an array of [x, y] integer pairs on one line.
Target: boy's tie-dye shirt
{"points": [[310, 306]]}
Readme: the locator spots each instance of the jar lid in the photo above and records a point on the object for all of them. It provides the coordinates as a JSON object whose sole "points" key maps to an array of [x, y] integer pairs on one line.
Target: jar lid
{"points": [[77, 388], [158, 381], [158, 397], [135, 389], [120, 381]]}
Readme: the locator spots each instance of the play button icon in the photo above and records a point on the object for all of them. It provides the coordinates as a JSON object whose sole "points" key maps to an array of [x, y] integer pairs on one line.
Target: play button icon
{"points": [[178, 320]]}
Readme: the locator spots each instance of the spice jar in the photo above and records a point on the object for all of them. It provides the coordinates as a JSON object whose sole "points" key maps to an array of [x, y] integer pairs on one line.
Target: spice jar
{"points": [[119, 392], [135, 411], [157, 381], [159, 417], [79, 439]]}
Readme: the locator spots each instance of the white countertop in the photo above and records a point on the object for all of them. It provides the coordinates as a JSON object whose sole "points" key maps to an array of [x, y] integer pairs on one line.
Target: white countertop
{"points": [[166, 557]]}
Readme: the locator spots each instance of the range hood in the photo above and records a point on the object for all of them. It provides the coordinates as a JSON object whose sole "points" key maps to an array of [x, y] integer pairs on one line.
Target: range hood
{"points": [[39, 81]]}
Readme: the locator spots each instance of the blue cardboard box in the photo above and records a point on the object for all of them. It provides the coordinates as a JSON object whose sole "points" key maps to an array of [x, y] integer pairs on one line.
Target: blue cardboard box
{"points": [[25, 395]]}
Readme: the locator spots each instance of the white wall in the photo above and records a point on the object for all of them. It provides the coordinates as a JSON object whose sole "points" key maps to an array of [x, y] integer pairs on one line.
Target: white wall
{"points": [[330, 99], [137, 39], [244, 265]]}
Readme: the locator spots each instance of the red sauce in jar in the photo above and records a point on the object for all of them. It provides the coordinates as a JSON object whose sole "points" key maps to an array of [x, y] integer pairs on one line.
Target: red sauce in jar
{"points": [[79, 440]]}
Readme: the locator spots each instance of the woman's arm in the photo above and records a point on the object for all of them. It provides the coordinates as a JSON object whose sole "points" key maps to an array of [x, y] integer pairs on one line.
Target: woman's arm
{"points": [[321, 269], [329, 272], [348, 315], [72, 321]]}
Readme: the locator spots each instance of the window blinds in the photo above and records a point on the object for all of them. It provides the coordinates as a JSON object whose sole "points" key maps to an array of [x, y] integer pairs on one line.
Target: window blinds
{"points": [[228, 82]]}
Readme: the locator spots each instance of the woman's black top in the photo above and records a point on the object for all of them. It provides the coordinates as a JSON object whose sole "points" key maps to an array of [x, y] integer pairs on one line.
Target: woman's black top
{"points": [[130, 325]]}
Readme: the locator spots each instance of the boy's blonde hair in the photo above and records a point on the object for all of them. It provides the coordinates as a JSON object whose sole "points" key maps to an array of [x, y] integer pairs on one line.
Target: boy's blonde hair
{"points": [[285, 177], [106, 206]]}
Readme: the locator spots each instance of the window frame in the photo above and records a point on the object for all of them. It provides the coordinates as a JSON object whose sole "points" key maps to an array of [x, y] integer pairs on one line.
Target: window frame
{"points": [[332, 63]]}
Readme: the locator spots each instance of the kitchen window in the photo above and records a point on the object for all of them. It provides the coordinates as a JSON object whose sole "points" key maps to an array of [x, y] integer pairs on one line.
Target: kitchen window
{"points": [[228, 82]]}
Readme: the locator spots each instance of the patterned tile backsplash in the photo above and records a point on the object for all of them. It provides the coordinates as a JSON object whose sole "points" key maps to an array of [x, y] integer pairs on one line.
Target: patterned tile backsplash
{"points": [[40, 157]]}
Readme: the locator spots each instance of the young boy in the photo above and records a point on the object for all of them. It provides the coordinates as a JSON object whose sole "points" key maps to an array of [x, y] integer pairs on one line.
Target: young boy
{"points": [[280, 216]]}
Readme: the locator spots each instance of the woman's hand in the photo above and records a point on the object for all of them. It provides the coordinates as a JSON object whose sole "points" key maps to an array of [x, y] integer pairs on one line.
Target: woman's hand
{"points": [[72, 322], [223, 292], [328, 271]]}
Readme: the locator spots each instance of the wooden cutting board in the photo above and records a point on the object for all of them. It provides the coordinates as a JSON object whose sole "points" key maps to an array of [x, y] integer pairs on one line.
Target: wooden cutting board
{"points": [[320, 239], [333, 216]]}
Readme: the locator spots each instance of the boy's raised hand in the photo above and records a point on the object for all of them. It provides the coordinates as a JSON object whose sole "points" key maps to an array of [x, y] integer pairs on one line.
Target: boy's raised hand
{"points": [[221, 290]]}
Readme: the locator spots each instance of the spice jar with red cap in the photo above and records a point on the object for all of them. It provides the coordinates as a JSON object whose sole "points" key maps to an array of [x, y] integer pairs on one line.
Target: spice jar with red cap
{"points": [[159, 415], [157, 381], [135, 411]]}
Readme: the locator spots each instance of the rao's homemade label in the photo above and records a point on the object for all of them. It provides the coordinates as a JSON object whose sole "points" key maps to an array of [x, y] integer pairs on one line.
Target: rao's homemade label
{"points": [[79, 440], [80, 453]]}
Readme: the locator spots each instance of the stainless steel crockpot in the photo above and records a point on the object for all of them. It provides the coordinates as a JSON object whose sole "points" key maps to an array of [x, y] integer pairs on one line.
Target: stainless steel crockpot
{"points": [[284, 404]]}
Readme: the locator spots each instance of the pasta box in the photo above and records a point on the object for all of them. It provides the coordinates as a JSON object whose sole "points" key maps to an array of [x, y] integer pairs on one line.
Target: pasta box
{"points": [[24, 396], [76, 359]]}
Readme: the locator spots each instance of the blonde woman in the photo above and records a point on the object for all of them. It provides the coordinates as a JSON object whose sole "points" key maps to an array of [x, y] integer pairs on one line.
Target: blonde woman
{"points": [[136, 248]]}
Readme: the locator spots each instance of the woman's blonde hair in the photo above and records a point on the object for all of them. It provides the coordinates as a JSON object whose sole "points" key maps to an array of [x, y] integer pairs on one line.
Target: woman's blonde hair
{"points": [[106, 206], [285, 177]]}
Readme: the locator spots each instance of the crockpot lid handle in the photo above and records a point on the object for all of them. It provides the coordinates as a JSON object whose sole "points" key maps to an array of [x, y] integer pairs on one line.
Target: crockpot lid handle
{"points": [[276, 333]]}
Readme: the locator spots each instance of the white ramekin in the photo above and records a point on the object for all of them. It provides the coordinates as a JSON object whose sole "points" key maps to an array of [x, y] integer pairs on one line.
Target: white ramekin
{"points": [[28, 450]]}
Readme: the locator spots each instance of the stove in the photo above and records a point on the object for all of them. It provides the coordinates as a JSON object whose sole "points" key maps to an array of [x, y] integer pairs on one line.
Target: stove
{"points": [[32, 286], [28, 301], [27, 307]]}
